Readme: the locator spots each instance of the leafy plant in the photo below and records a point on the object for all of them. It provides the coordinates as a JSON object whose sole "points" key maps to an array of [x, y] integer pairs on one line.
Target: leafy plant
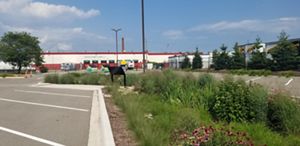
{"points": [[67, 79], [51, 78], [283, 114]]}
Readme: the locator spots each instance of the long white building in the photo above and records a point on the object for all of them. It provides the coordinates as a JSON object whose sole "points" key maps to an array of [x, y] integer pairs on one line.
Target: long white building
{"points": [[54, 60]]}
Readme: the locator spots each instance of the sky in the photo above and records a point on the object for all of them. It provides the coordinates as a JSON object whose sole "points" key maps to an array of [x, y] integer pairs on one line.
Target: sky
{"points": [[170, 25]]}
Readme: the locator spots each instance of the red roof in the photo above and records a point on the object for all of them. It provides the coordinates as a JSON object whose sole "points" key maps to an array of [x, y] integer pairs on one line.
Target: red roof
{"points": [[107, 53]]}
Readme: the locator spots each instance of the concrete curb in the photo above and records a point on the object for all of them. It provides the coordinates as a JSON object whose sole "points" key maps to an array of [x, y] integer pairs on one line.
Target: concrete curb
{"points": [[100, 132]]}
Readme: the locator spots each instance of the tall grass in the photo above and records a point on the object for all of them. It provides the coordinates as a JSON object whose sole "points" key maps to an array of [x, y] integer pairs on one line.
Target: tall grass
{"points": [[284, 114], [78, 78], [156, 122]]}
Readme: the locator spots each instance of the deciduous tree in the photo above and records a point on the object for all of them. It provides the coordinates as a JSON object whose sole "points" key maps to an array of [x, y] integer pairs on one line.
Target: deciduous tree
{"points": [[20, 49]]}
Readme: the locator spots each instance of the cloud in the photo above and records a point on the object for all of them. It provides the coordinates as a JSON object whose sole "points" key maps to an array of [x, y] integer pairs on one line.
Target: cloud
{"points": [[41, 10], [51, 23], [248, 26], [269, 25], [56, 38], [45, 10], [63, 46], [173, 34]]}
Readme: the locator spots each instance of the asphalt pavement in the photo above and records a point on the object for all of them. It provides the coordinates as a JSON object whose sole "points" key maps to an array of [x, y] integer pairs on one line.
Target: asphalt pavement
{"points": [[33, 116]]}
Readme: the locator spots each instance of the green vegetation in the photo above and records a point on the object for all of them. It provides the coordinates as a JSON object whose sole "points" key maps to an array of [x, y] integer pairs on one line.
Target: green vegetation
{"points": [[43, 69], [4, 75], [77, 78], [197, 60], [168, 109], [285, 54], [221, 60], [283, 57], [238, 58], [258, 59], [283, 114], [186, 64], [20, 49], [251, 72]]}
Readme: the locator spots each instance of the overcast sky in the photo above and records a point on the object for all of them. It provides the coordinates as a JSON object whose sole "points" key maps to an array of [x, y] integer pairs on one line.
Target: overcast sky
{"points": [[171, 25]]}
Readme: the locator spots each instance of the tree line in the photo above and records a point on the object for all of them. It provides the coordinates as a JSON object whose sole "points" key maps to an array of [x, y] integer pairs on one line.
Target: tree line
{"points": [[196, 64], [284, 56]]}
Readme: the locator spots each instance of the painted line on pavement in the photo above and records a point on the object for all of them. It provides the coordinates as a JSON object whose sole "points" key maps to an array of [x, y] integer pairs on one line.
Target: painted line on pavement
{"points": [[254, 79], [46, 105], [49, 93], [30, 137], [287, 83]]}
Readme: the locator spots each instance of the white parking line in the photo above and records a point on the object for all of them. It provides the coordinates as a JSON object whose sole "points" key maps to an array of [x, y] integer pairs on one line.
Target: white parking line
{"points": [[49, 93], [287, 83], [254, 79], [30, 137], [46, 105]]}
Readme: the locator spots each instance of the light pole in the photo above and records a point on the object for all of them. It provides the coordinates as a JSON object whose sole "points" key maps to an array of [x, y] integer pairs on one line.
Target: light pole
{"points": [[143, 37], [117, 51]]}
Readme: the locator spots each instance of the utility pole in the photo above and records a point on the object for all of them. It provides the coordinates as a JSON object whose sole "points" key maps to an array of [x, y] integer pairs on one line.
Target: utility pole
{"points": [[143, 37], [117, 51]]}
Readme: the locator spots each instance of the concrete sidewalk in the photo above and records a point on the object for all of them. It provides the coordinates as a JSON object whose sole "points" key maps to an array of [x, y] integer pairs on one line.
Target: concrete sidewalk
{"points": [[100, 132]]}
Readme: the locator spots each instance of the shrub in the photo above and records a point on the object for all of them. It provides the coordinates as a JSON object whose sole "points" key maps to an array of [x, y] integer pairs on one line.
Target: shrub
{"points": [[3, 75], [52, 78], [206, 80], [230, 102], [284, 114], [132, 79], [76, 74], [237, 101], [43, 69], [287, 73], [67, 79], [90, 79], [259, 103]]}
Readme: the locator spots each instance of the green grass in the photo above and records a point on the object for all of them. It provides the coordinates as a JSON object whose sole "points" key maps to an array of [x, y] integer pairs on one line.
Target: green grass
{"points": [[167, 104], [4, 75], [78, 78], [168, 119]]}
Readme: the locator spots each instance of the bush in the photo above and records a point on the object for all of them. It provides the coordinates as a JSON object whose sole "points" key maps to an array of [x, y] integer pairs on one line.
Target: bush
{"points": [[90, 79], [259, 103], [52, 78], [67, 79], [230, 102], [132, 79], [77, 78], [173, 106], [287, 73], [206, 80], [4, 75], [284, 114], [237, 101], [43, 69]]}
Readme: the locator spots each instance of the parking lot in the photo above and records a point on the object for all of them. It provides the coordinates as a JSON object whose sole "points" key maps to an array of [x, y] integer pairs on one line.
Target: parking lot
{"points": [[33, 116]]}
